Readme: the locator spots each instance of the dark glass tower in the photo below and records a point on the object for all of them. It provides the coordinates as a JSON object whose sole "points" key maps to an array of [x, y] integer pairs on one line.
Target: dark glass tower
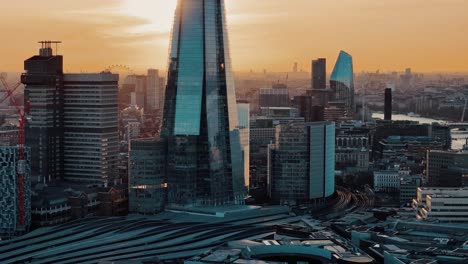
{"points": [[43, 82], [342, 81], [388, 104], [200, 126], [319, 74]]}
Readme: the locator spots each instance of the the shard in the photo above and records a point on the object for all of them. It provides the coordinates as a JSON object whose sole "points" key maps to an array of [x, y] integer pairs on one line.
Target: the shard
{"points": [[200, 126], [342, 81]]}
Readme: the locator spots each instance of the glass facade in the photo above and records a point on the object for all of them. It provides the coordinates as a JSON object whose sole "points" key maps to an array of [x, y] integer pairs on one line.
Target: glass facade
{"points": [[342, 80], [43, 131], [147, 184], [200, 125], [302, 163]]}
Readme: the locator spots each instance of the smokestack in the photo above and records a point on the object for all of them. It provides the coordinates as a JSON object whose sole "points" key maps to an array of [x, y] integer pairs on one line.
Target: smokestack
{"points": [[388, 104]]}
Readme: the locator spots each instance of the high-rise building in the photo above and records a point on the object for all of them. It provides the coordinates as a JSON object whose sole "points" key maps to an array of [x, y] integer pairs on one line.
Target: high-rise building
{"points": [[135, 86], [319, 74], [155, 90], [243, 110], [200, 121], [132, 131], [302, 162], [388, 104], [342, 81], [91, 139], [296, 67], [10, 225], [72, 126], [43, 81]]}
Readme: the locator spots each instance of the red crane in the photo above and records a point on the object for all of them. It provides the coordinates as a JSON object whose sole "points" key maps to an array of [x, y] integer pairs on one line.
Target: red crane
{"points": [[21, 157]]}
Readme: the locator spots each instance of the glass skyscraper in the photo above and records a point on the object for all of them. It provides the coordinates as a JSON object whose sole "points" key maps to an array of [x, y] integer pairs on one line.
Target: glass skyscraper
{"points": [[302, 163], [200, 125], [342, 81]]}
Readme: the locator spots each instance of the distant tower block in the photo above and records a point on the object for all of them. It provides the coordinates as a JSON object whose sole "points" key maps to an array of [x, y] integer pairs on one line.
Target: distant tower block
{"points": [[296, 67], [388, 104], [319, 74]]}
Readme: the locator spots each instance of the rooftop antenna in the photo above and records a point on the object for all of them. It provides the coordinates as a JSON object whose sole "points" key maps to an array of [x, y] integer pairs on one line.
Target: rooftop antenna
{"points": [[47, 44]]}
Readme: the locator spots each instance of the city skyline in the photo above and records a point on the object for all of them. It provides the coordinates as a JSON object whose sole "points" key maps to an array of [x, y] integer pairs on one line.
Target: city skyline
{"points": [[425, 36], [298, 131]]}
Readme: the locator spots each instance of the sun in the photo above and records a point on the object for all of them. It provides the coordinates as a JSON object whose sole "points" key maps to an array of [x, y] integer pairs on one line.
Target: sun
{"points": [[158, 13]]}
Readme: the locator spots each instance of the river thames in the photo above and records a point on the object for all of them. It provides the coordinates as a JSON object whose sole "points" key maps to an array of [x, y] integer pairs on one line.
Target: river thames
{"points": [[458, 137]]}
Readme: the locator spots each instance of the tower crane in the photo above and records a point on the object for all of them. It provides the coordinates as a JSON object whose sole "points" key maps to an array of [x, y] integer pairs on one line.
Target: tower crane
{"points": [[21, 157], [9, 91], [464, 109]]}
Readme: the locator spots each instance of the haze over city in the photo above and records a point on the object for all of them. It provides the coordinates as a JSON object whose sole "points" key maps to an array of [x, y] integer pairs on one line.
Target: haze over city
{"points": [[426, 35], [234, 131]]}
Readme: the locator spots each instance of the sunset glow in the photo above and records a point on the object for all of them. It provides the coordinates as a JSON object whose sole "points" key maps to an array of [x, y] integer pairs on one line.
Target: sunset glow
{"points": [[264, 34], [159, 14]]}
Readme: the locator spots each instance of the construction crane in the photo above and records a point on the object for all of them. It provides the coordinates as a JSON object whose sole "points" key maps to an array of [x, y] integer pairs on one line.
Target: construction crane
{"points": [[21, 157], [464, 110], [9, 91]]}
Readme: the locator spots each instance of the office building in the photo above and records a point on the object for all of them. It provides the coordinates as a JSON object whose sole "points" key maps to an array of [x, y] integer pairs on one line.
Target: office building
{"points": [[155, 91], [443, 134], [132, 131], [321, 97], [352, 147], [387, 181], [385, 129], [43, 82], [278, 96], [410, 146], [388, 104], [91, 139], [447, 168], [152, 90], [10, 201], [302, 163], [127, 95], [335, 112], [307, 109], [279, 112], [262, 133], [147, 179], [342, 82], [243, 110], [447, 205], [319, 74], [141, 90], [409, 188], [200, 123]]}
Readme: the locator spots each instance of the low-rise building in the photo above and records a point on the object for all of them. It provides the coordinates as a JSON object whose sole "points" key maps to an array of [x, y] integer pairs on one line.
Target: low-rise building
{"points": [[387, 181], [446, 168], [61, 202], [409, 188], [448, 205], [9, 135]]}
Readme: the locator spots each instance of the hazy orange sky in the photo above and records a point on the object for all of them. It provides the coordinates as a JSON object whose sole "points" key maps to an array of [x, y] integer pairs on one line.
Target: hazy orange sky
{"points": [[426, 35]]}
